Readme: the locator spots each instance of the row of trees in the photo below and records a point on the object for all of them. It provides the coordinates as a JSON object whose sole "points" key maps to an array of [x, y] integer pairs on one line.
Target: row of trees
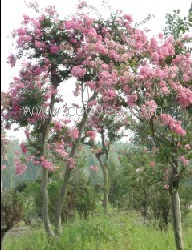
{"points": [[116, 65], [129, 188]]}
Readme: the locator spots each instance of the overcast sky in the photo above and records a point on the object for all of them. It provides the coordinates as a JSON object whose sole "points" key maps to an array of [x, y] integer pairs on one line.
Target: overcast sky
{"points": [[13, 10]]}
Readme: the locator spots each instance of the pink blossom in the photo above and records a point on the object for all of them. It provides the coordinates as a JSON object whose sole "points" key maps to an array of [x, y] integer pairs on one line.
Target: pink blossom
{"points": [[187, 146], [78, 71], [3, 167], [47, 164], [58, 126], [11, 60], [20, 167], [91, 134], [155, 57], [183, 160], [73, 40], [26, 19], [173, 124], [128, 17], [71, 163], [73, 133], [67, 121], [51, 10], [131, 100], [161, 35], [166, 186], [54, 49], [82, 4], [46, 60], [59, 148], [23, 148], [39, 44], [27, 133], [94, 168], [22, 31], [36, 162]]}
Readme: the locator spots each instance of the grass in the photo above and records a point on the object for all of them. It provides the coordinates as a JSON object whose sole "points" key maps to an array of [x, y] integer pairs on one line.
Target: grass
{"points": [[117, 232]]}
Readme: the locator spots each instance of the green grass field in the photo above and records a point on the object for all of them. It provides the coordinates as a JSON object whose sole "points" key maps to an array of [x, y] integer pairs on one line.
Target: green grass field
{"points": [[118, 231]]}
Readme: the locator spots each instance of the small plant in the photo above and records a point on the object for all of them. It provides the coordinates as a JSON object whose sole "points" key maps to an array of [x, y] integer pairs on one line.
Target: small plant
{"points": [[11, 211]]}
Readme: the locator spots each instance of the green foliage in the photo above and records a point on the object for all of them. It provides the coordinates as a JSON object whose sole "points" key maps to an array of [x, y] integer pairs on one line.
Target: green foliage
{"points": [[81, 197], [119, 231], [177, 26], [11, 211]]}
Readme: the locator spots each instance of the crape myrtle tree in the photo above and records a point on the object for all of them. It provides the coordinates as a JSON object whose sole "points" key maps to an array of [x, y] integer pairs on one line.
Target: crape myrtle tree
{"points": [[174, 157], [111, 58], [106, 123], [91, 50], [143, 184], [164, 80], [47, 44]]}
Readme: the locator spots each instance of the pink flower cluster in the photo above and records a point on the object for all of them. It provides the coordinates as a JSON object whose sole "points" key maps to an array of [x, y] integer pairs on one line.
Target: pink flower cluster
{"points": [[54, 49], [19, 167], [58, 126], [166, 186], [184, 96], [59, 148], [82, 4], [183, 160], [94, 168], [131, 100], [91, 134], [35, 162], [78, 71], [71, 163], [23, 148], [187, 146], [174, 125], [73, 133], [11, 60], [45, 163], [148, 109]]}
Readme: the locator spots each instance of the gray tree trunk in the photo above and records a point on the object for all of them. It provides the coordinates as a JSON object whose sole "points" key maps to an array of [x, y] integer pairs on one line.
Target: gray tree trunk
{"points": [[44, 193], [44, 179], [63, 192], [176, 214], [106, 190]]}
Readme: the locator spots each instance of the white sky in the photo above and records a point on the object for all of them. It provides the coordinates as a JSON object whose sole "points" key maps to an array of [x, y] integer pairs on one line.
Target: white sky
{"points": [[13, 10]]}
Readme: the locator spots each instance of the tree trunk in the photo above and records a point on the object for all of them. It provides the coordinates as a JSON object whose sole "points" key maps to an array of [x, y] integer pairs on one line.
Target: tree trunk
{"points": [[66, 177], [106, 184], [44, 140], [44, 193], [176, 214], [145, 205], [63, 192]]}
